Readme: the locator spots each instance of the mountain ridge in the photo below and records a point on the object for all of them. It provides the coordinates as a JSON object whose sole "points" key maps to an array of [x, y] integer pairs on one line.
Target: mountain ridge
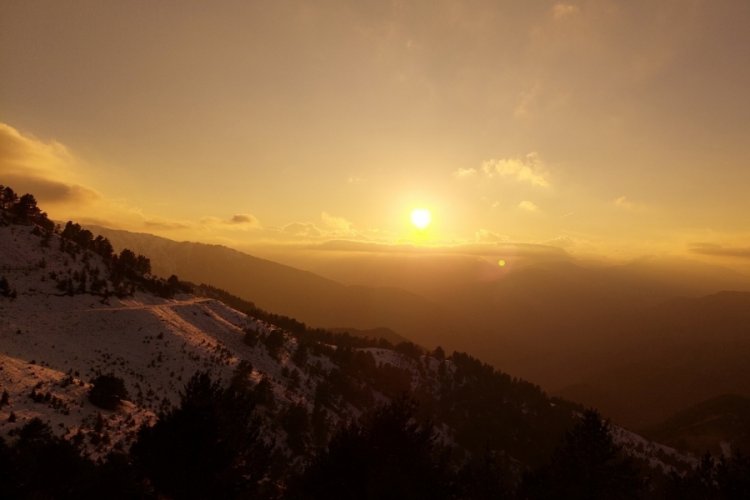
{"points": [[288, 290], [59, 333], [596, 335]]}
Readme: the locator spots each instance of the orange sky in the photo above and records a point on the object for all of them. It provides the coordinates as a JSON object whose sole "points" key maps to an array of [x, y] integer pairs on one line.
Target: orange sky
{"points": [[604, 127]]}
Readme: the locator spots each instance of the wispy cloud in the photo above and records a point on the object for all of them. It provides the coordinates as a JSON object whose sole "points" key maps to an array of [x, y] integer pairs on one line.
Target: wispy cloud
{"points": [[528, 206], [527, 101], [241, 222], [562, 10], [303, 230], [528, 169], [563, 241], [625, 203], [45, 169], [245, 219], [716, 250], [336, 225], [464, 173], [487, 236], [166, 225], [329, 227]]}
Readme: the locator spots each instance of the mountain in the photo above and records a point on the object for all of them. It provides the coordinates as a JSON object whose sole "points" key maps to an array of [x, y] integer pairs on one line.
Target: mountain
{"points": [[373, 333], [317, 301], [432, 272], [719, 425], [552, 319], [602, 335], [673, 355], [100, 356], [55, 339]]}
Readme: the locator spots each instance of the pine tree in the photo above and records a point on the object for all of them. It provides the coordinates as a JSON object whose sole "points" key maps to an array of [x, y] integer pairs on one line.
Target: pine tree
{"points": [[587, 465], [209, 447], [389, 455], [107, 391]]}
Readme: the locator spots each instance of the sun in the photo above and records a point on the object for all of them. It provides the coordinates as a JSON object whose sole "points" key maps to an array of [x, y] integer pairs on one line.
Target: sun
{"points": [[421, 218]]}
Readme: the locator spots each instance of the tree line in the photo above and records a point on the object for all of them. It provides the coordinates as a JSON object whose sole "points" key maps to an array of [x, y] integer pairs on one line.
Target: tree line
{"points": [[211, 446]]}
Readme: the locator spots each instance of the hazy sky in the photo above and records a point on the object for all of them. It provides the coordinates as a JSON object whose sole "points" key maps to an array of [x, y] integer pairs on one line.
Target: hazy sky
{"points": [[619, 127]]}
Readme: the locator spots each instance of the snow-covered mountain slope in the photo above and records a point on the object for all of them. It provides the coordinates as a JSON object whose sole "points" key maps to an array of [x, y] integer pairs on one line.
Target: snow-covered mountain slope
{"points": [[53, 344], [57, 335]]}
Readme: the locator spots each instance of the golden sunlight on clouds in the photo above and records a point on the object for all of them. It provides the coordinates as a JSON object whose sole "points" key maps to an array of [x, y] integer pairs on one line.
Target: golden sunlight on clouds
{"points": [[621, 126], [624, 203], [463, 173], [157, 224], [46, 169], [528, 206], [338, 226], [528, 169], [486, 236], [237, 222]]}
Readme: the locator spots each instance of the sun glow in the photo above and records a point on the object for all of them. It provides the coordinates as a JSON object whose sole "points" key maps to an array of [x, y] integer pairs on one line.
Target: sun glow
{"points": [[421, 218]]}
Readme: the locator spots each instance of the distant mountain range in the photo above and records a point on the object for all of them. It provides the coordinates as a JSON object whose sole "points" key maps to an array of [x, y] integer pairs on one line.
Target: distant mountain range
{"points": [[77, 317], [602, 335], [677, 354], [285, 290], [720, 425], [127, 379]]}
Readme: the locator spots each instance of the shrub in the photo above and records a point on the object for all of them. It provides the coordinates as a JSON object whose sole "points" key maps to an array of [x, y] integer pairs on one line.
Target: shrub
{"points": [[250, 338], [274, 342], [108, 391]]}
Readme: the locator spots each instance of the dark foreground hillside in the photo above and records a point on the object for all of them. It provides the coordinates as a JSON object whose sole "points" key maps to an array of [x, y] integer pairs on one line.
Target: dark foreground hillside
{"points": [[118, 384]]}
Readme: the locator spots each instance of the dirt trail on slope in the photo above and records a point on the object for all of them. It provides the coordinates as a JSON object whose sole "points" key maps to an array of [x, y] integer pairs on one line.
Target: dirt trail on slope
{"points": [[133, 307]]}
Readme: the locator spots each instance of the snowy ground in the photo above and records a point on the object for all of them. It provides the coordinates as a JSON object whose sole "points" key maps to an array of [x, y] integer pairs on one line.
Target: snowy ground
{"points": [[52, 345]]}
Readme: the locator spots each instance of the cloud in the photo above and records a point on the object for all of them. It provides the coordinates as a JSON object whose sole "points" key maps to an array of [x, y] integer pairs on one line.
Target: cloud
{"points": [[245, 219], [715, 250], [48, 191], [302, 229], [511, 249], [45, 169], [21, 152], [465, 173], [487, 236], [166, 225], [624, 203], [336, 224], [492, 246], [562, 241], [563, 10], [242, 222], [528, 168], [329, 228], [236, 222], [529, 206], [49, 170], [527, 101]]}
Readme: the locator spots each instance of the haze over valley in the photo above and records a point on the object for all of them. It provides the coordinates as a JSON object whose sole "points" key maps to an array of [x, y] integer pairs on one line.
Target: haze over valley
{"points": [[606, 335]]}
